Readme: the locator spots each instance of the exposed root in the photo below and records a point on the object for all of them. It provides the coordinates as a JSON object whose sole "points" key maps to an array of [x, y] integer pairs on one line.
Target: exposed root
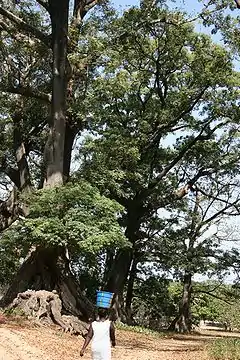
{"points": [[46, 307]]}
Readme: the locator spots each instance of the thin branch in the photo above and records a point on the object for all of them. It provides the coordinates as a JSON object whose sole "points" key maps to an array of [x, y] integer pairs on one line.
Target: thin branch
{"points": [[181, 154], [22, 25], [214, 296], [217, 198], [217, 214], [168, 126], [90, 4]]}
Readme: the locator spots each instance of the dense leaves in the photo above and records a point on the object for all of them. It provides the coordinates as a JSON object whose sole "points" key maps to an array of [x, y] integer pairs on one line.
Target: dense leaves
{"points": [[76, 216]]}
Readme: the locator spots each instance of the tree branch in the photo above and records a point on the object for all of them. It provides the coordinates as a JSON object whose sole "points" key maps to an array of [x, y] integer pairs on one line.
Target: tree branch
{"points": [[181, 154], [237, 3], [215, 296], [44, 4], [28, 92], [217, 198], [214, 216], [168, 126], [90, 4], [22, 25]]}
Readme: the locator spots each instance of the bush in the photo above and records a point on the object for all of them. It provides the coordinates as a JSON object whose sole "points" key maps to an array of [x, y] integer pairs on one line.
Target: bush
{"points": [[225, 349]]}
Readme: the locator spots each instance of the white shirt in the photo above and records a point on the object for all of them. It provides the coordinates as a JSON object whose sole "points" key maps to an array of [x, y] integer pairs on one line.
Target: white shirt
{"points": [[101, 336]]}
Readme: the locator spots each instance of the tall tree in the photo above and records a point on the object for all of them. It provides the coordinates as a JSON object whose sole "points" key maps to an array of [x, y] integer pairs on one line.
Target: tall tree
{"points": [[198, 237], [40, 50], [169, 98]]}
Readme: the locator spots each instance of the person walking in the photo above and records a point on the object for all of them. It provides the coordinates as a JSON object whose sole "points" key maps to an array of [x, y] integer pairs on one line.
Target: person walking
{"points": [[102, 334]]}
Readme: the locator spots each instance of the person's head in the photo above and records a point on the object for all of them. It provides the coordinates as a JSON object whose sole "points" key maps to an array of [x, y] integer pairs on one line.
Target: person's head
{"points": [[103, 313]]}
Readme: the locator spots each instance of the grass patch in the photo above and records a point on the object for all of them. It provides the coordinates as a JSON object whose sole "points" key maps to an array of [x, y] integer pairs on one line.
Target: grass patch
{"points": [[225, 349], [139, 329]]}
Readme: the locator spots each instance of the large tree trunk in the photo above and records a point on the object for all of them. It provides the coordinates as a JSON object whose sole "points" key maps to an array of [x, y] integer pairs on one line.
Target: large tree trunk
{"points": [[116, 281], [54, 150], [119, 272], [122, 263], [48, 269], [183, 322], [123, 259]]}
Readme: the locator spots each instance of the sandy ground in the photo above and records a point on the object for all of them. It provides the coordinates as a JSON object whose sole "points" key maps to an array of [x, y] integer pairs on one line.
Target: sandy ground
{"points": [[28, 342]]}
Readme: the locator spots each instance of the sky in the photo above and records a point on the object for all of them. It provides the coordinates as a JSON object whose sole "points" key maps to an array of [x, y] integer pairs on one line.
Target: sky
{"points": [[190, 5]]}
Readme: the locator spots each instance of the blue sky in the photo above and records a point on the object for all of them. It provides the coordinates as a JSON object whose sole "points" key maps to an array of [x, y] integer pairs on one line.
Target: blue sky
{"points": [[189, 5]]}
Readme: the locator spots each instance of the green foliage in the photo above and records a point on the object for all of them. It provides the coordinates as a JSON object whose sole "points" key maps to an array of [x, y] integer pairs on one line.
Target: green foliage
{"points": [[75, 215], [156, 301], [225, 349], [218, 302], [10, 252], [161, 84]]}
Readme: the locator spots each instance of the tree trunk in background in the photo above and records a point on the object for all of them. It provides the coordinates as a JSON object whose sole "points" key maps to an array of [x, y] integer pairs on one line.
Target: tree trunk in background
{"points": [[108, 264], [183, 322], [119, 272], [123, 259], [21, 156], [54, 149], [48, 269], [122, 263], [116, 281], [129, 296], [20, 176]]}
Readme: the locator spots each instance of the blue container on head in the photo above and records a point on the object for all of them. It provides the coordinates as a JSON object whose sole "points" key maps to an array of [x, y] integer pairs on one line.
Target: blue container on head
{"points": [[104, 299]]}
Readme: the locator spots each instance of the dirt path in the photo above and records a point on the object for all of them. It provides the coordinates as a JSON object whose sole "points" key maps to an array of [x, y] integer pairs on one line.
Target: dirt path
{"points": [[24, 343]]}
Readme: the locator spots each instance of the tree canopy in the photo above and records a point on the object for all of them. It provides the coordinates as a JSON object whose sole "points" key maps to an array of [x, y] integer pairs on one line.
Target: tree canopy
{"points": [[119, 149]]}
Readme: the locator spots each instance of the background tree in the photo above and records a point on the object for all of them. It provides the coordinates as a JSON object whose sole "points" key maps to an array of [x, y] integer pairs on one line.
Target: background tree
{"points": [[200, 248], [159, 80]]}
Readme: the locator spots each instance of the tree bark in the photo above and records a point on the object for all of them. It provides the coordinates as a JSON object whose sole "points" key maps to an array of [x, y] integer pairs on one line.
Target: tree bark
{"points": [[129, 295], [54, 150], [108, 265], [21, 156], [48, 269], [119, 272], [183, 322]]}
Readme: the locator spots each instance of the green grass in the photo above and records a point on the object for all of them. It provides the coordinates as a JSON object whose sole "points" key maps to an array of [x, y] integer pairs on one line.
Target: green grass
{"points": [[225, 349], [139, 329]]}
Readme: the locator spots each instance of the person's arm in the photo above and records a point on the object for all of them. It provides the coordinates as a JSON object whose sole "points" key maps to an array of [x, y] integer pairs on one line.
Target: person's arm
{"points": [[87, 340], [112, 334]]}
